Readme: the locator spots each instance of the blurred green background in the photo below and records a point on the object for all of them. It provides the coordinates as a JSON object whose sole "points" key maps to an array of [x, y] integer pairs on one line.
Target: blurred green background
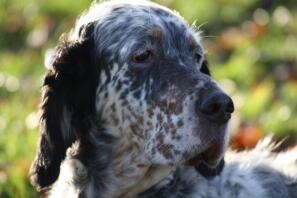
{"points": [[251, 46]]}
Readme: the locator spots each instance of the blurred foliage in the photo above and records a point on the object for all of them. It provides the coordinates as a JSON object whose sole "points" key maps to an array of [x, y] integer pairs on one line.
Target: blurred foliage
{"points": [[251, 47]]}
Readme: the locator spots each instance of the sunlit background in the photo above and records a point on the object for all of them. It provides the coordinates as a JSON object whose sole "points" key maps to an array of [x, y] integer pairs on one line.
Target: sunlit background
{"points": [[251, 46]]}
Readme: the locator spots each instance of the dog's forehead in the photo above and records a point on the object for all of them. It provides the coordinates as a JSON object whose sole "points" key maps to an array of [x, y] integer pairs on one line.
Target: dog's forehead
{"points": [[135, 20], [118, 10]]}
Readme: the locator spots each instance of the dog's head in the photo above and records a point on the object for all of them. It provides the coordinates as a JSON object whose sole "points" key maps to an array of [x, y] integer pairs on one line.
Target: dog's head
{"points": [[138, 71]]}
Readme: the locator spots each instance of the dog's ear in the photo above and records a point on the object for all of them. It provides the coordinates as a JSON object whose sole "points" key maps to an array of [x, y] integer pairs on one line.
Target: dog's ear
{"points": [[68, 101]]}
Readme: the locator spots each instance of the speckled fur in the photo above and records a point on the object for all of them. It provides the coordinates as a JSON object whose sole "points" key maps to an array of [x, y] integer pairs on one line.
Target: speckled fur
{"points": [[258, 173], [113, 127]]}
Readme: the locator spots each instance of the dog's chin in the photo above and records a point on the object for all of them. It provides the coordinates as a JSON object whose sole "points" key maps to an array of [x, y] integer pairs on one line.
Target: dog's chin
{"points": [[208, 163], [207, 169]]}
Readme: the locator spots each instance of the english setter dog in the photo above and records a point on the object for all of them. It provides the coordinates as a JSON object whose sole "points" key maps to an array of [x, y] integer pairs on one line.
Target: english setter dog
{"points": [[129, 110]]}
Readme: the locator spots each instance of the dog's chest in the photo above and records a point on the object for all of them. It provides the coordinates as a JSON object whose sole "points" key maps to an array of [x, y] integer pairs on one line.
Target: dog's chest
{"points": [[130, 174]]}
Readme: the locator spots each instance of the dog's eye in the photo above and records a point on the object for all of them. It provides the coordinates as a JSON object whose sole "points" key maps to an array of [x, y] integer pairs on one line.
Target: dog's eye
{"points": [[197, 57], [143, 56]]}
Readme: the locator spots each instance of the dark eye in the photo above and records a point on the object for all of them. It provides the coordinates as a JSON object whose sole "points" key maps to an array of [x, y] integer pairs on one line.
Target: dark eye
{"points": [[197, 57], [143, 56]]}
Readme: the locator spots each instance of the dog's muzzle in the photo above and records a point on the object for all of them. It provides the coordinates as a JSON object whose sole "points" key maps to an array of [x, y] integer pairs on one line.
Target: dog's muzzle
{"points": [[217, 108]]}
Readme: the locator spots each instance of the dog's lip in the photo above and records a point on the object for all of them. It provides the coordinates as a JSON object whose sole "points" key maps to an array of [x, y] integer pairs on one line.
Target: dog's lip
{"points": [[210, 156], [207, 163], [209, 172], [200, 158]]}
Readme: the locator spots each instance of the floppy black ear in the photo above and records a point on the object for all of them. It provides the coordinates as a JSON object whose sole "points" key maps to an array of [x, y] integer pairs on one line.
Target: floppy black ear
{"points": [[68, 101]]}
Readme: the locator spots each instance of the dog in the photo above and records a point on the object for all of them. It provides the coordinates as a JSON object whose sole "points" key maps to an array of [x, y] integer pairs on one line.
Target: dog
{"points": [[129, 109]]}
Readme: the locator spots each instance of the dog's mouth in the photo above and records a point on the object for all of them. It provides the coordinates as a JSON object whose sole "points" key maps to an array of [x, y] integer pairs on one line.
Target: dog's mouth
{"points": [[209, 162]]}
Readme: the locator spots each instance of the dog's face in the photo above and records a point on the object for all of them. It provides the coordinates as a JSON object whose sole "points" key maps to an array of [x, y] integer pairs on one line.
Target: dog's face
{"points": [[140, 72], [154, 83]]}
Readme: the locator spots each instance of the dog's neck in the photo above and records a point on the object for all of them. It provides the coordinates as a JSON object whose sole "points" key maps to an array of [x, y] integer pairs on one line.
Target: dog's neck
{"points": [[130, 174], [114, 169]]}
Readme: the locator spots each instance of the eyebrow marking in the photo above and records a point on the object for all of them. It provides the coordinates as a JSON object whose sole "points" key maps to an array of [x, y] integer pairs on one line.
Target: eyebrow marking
{"points": [[156, 32], [191, 41]]}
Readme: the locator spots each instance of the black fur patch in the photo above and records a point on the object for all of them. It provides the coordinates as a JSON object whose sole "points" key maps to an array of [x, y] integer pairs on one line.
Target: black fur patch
{"points": [[68, 101]]}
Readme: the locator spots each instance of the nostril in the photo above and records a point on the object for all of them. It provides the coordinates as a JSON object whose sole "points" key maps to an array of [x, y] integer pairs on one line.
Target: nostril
{"points": [[217, 107]]}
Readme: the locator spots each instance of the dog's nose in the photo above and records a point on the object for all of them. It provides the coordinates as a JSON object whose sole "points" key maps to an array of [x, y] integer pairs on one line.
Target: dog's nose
{"points": [[216, 107]]}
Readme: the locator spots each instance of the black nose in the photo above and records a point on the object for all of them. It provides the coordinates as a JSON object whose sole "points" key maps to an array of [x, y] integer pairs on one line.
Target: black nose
{"points": [[216, 107]]}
